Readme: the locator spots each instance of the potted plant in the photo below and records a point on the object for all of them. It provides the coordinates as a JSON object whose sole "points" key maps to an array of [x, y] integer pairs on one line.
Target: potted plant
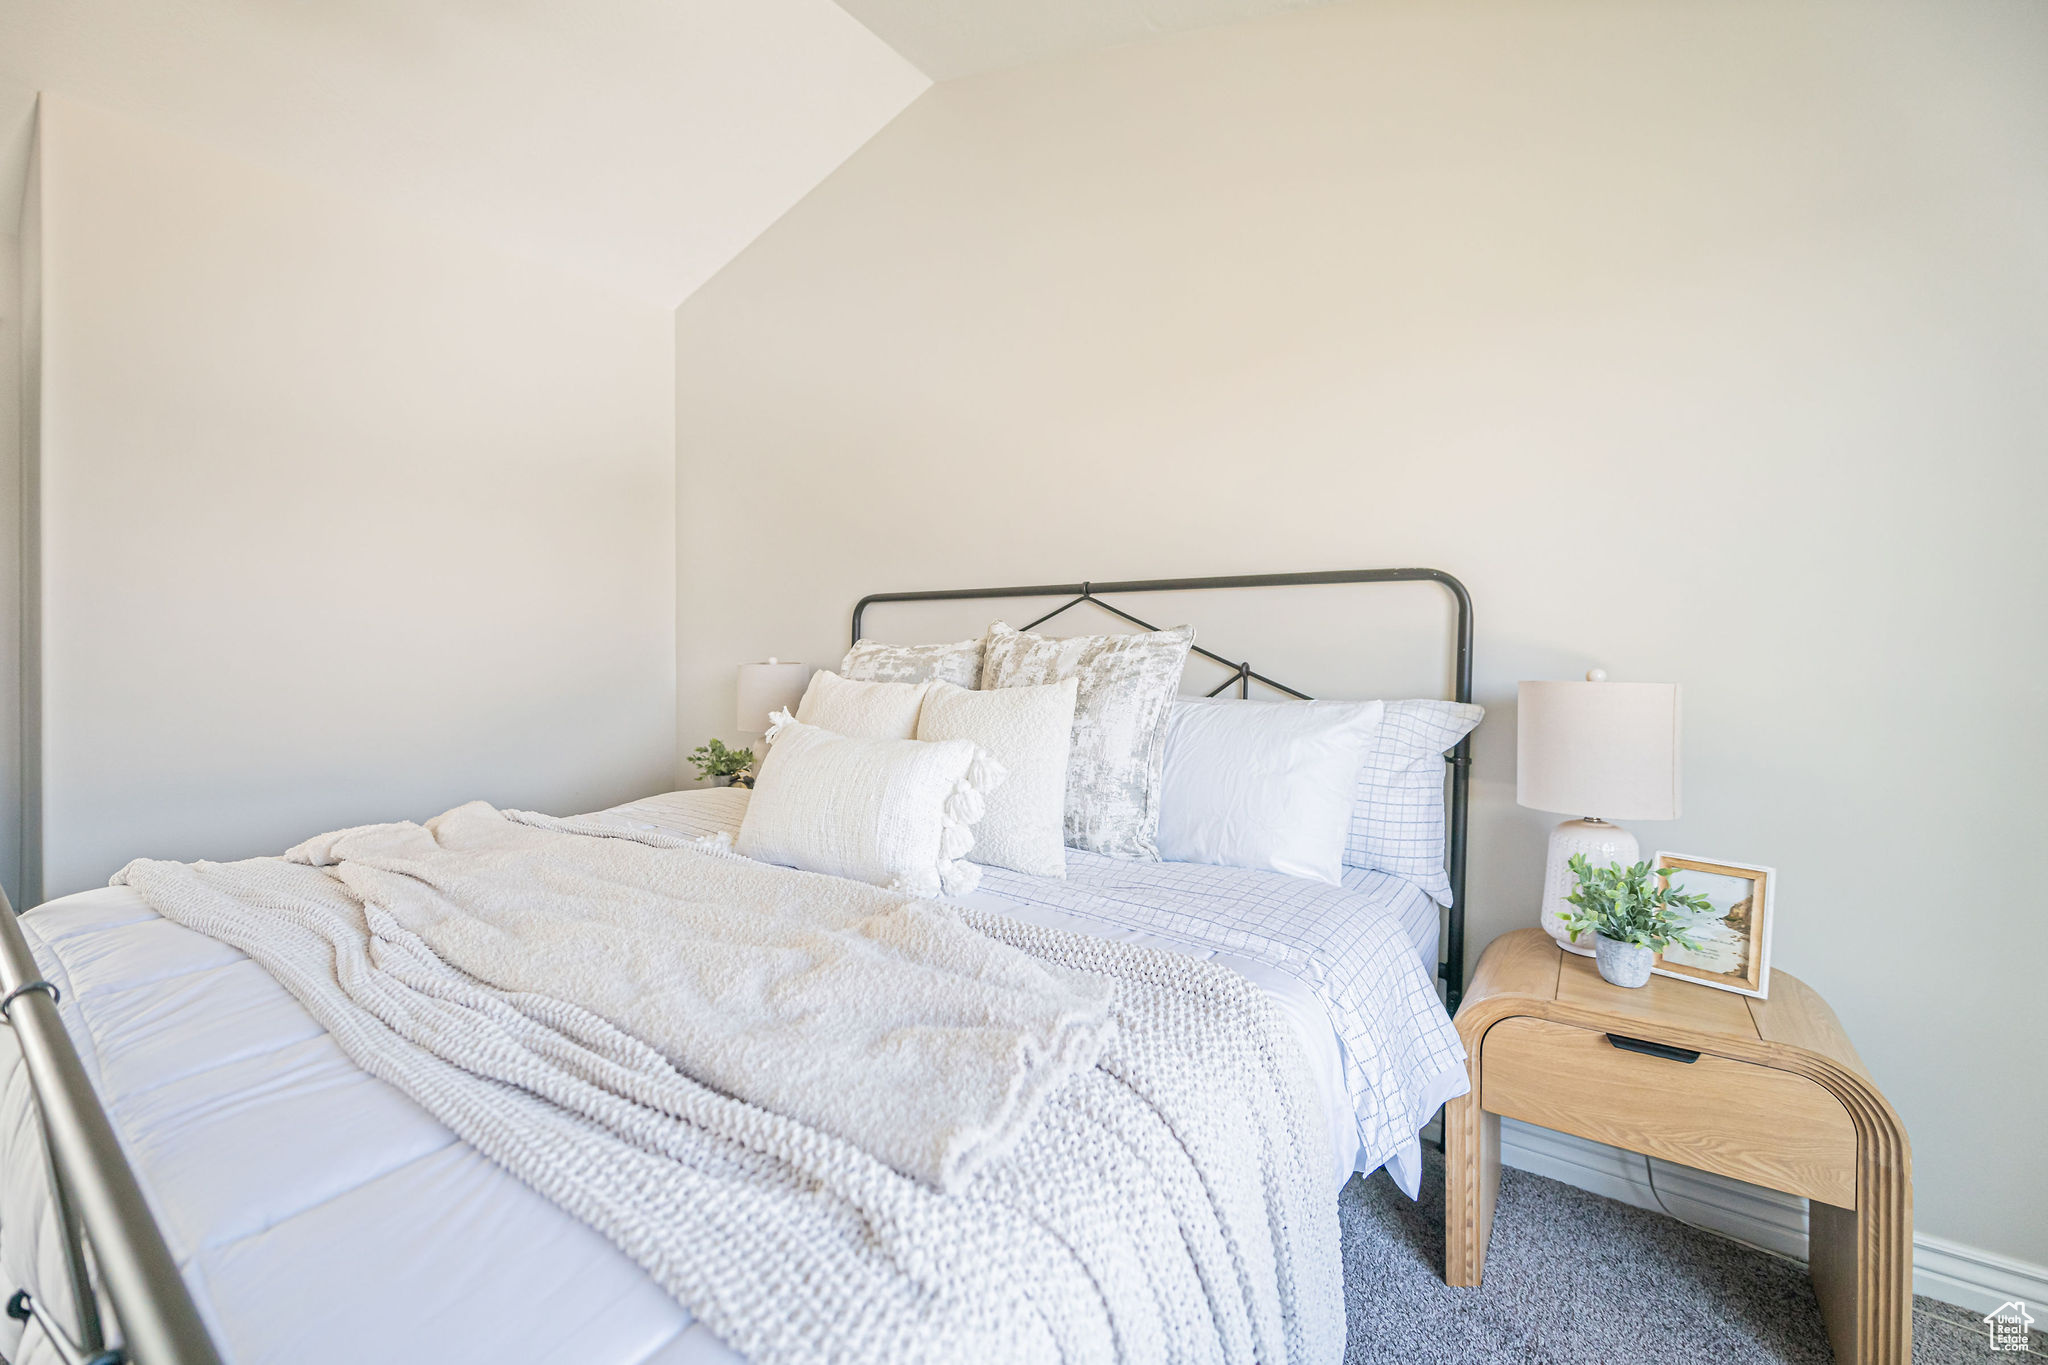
{"points": [[726, 767], [1632, 917]]}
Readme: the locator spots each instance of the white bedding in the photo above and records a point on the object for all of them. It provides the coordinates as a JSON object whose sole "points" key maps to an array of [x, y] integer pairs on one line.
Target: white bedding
{"points": [[1420, 916], [322, 1216], [1344, 953]]}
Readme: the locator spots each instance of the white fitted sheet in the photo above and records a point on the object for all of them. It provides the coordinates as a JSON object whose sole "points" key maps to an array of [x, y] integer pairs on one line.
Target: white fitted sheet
{"points": [[319, 1214], [1421, 917]]}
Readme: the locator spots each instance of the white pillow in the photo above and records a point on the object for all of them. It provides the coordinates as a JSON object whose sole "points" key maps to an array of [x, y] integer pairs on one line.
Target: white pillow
{"points": [[895, 812], [864, 710], [1029, 731], [1264, 784]]}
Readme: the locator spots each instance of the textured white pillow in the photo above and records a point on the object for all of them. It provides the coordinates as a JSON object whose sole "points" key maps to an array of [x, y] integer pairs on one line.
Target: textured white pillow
{"points": [[1264, 784], [1029, 731], [864, 710], [894, 812]]}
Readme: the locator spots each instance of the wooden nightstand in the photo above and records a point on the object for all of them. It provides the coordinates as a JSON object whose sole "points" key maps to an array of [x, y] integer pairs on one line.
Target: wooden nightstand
{"points": [[1768, 1091]]}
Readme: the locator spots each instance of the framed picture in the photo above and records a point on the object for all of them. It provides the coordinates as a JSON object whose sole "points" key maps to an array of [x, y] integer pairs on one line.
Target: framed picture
{"points": [[1734, 933]]}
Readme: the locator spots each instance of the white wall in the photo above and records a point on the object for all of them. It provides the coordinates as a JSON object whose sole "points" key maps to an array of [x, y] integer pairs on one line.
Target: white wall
{"points": [[1703, 342], [10, 559], [340, 519], [19, 498]]}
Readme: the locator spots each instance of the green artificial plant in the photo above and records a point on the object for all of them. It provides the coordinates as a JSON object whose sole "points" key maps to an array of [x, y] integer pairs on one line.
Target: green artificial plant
{"points": [[1628, 905], [713, 759]]}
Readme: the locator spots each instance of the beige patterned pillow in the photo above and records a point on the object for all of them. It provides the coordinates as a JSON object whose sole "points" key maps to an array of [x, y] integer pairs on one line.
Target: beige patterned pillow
{"points": [[1127, 684], [958, 663]]}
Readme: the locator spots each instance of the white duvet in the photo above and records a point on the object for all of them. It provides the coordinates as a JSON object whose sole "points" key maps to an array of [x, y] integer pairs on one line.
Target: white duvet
{"points": [[321, 1216]]}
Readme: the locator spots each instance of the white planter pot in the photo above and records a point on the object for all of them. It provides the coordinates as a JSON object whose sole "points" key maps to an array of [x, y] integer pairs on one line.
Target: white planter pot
{"points": [[1623, 964]]}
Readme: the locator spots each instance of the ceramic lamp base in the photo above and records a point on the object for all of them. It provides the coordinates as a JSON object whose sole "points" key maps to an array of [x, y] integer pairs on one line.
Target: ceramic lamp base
{"points": [[1602, 843]]}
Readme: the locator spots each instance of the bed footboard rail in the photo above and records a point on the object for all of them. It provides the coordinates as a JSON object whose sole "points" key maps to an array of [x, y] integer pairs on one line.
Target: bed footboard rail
{"points": [[94, 1194]]}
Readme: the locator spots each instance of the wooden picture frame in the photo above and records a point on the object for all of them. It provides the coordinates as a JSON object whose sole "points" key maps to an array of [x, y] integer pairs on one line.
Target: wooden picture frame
{"points": [[1738, 956]]}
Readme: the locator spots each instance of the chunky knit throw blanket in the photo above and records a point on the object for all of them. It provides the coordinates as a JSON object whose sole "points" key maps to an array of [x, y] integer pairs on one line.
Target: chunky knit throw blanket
{"points": [[874, 1017], [1151, 1188]]}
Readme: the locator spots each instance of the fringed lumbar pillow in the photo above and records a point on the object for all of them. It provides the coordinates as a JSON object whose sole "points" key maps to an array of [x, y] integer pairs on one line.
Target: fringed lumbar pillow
{"points": [[898, 813]]}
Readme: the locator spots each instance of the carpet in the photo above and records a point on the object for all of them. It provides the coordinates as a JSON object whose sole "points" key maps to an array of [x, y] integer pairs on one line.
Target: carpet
{"points": [[1575, 1279]]}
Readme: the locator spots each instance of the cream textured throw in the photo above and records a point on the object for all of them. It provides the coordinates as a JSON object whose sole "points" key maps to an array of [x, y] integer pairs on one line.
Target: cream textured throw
{"points": [[879, 1019], [1148, 1183]]}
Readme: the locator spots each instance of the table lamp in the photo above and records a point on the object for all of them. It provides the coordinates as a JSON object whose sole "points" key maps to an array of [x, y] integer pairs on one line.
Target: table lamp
{"points": [[767, 688], [1601, 751]]}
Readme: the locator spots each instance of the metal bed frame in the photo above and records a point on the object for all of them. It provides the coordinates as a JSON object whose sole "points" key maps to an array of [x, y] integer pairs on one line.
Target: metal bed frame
{"points": [[1451, 967], [93, 1194], [103, 1221]]}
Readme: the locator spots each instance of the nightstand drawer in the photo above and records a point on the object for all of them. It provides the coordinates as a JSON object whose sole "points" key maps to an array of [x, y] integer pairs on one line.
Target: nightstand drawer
{"points": [[1738, 1119]]}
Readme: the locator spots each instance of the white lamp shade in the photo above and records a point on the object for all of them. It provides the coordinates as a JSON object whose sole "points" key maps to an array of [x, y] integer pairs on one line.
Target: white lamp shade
{"points": [[1602, 749], [765, 688]]}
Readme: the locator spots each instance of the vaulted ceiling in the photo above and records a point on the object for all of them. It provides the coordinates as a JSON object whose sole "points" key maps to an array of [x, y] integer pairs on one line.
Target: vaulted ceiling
{"points": [[639, 143], [949, 38]]}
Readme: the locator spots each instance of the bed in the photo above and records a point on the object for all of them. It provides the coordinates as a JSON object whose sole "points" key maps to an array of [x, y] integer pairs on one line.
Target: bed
{"points": [[317, 1213]]}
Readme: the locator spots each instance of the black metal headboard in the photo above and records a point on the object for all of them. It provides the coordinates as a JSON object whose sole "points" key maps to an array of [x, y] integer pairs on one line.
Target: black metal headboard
{"points": [[1452, 966]]}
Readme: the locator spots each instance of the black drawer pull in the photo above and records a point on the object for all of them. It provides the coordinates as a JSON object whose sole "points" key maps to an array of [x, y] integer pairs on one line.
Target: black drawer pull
{"points": [[1650, 1049]]}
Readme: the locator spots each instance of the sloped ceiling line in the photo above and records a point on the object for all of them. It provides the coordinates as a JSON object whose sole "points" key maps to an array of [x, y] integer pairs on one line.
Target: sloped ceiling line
{"points": [[949, 39], [640, 144]]}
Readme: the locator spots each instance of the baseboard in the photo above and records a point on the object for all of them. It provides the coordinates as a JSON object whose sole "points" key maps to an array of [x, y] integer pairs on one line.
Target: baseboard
{"points": [[1977, 1280]]}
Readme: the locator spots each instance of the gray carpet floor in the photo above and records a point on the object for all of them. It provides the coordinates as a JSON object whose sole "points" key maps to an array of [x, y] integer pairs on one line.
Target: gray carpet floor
{"points": [[1574, 1279]]}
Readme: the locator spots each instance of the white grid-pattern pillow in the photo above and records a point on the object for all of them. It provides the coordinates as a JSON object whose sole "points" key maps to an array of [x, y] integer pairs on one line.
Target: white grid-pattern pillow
{"points": [[1397, 823]]}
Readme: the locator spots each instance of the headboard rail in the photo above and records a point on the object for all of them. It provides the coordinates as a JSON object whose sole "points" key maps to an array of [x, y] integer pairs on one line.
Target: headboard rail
{"points": [[1451, 968]]}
